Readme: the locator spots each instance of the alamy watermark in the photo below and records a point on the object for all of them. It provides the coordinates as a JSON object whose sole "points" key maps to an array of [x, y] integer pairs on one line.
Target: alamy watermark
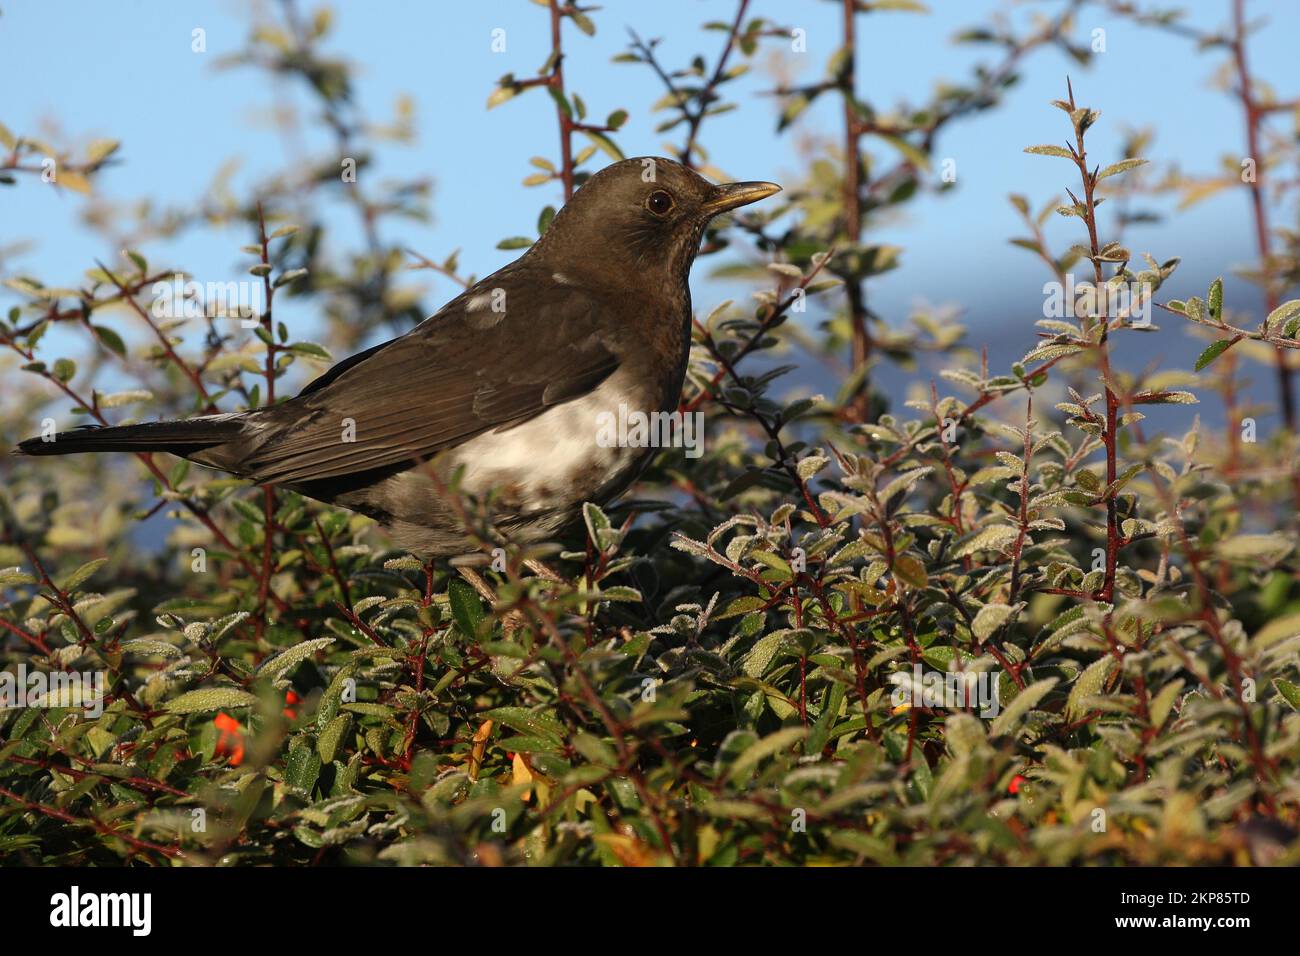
{"points": [[133, 911], [187, 299], [1112, 299], [55, 689], [949, 690], [637, 429]]}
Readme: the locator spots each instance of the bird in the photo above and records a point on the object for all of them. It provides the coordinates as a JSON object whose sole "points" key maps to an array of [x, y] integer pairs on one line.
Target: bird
{"points": [[499, 392]]}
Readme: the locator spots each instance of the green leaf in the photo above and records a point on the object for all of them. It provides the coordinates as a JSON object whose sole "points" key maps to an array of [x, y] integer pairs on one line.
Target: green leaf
{"points": [[900, 6], [821, 730], [964, 733], [82, 574], [761, 654], [989, 619], [532, 723], [606, 145], [1049, 150], [741, 605], [1089, 684], [286, 277], [15, 575], [312, 350], [1277, 629], [111, 340], [775, 562], [1163, 702], [1214, 351], [1273, 546], [595, 750], [993, 538], [281, 664], [1214, 299], [810, 465], [302, 767], [913, 155], [760, 749], [327, 744], [117, 399], [466, 607], [1165, 397], [544, 219], [1285, 311], [209, 698], [1023, 702], [1123, 166], [369, 710], [1289, 691], [558, 96], [599, 530]]}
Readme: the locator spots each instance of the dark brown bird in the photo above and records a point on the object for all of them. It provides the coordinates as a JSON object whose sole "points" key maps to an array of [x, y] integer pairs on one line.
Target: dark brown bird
{"points": [[507, 381]]}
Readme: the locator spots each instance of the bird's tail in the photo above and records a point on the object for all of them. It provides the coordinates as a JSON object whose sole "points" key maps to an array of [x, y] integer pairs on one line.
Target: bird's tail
{"points": [[182, 438]]}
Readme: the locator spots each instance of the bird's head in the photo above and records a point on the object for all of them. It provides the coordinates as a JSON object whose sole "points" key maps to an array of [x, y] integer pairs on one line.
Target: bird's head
{"points": [[646, 214]]}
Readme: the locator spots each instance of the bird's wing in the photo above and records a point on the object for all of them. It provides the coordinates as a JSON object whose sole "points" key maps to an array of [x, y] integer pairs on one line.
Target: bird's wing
{"points": [[464, 371]]}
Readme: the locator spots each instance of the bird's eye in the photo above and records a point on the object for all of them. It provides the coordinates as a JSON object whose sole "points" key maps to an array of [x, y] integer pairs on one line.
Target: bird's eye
{"points": [[659, 202]]}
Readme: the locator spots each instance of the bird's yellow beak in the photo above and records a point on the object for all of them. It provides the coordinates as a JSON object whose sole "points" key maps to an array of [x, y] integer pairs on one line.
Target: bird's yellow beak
{"points": [[733, 195]]}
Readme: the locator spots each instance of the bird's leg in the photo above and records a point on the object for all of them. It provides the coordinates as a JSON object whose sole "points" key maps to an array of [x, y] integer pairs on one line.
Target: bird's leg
{"points": [[543, 570], [478, 584], [511, 621]]}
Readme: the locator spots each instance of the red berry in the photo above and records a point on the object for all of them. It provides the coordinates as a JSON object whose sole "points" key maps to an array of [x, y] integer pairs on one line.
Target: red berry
{"points": [[230, 740]]}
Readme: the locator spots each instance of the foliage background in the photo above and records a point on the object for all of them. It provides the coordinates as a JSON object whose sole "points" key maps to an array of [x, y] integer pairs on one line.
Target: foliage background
{"points": [[690, 693]]}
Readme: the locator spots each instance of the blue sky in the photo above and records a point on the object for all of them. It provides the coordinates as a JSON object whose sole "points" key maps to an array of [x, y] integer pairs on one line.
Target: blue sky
{"points": [[125, 70]]}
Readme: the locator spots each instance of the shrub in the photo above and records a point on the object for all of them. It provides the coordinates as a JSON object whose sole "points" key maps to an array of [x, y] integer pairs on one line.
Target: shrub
{"points": [[1000, 621]]}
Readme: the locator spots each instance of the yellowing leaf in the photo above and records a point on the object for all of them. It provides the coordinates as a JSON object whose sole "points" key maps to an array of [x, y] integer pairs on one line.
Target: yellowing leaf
{"points": [[479, 746], [1196, 192], [910, 571], [74, 181], [521, 773]]}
